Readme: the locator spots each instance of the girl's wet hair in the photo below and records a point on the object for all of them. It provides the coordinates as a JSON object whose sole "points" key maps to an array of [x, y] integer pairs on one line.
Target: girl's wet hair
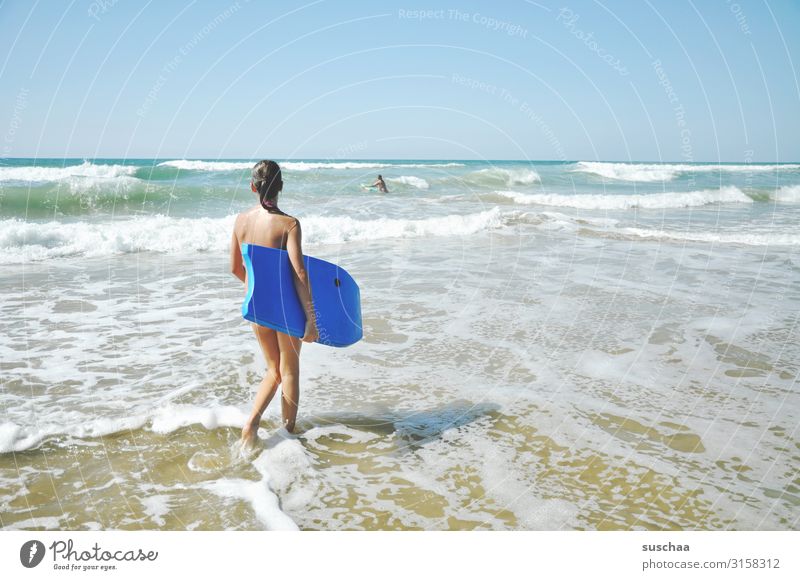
{"points": [[268, 181]]}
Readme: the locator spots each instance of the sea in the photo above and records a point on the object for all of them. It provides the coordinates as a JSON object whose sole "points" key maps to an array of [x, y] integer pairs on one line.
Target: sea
{"points": [[576, 345]]}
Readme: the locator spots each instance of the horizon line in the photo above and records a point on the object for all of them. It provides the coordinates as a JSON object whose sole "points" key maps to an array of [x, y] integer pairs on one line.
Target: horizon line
{"points": [[358, 159]]}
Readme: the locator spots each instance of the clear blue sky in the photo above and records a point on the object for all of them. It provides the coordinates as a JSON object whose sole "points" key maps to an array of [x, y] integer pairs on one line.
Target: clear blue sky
{"points": [[682, 80]]}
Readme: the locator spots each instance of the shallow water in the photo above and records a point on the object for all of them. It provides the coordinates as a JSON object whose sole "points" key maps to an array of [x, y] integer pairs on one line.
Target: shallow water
{"points": [[524, 366]]}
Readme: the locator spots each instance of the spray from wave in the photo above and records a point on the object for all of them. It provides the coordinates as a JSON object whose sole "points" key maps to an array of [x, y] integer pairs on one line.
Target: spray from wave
{"points": [[22, 241], [191, 165], [743, 238], [650, 201], [411, 180], [494, 176], [787, 194], [197, 165], [668, 171], [86, 170]]}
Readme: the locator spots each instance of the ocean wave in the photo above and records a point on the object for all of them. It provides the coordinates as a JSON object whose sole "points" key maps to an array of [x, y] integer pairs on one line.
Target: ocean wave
{"points": [[312, 165], [504, 176], [411, 180], [192, 165], [744, 238], [336, 230], [22, 241], [196, 165], [87, 171], [787, 194], [85, 195], [610, 228], [728, 194], [667, 171]]}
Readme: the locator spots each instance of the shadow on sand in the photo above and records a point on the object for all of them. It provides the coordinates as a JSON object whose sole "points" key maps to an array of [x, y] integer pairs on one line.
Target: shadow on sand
{"points": [[412, 428]]}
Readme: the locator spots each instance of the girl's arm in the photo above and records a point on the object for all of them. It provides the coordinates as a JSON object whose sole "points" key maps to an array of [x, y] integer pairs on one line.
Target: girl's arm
{"points": [[237, 266], [302, 284]]}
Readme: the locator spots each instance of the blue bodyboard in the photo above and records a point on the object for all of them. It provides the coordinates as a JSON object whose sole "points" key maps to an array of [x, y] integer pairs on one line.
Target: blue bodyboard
{"points": [[272, 300]]}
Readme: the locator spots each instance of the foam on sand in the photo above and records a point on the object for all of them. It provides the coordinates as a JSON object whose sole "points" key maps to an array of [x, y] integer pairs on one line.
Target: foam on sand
{"points": [[258, 494], [164, 419], [15, 438]]}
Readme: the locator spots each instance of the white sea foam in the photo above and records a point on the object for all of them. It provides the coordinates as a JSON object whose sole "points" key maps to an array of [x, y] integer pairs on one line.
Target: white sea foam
{"points": [[169, 418], [193, 165], [15, 437], [55, 174], [47, 522], [311, 165], [745, 238], [288, 467], [162, 419], [411, 180], [787, 194], [197, 165], [333, 230], [649, 201], [547, 220], [156, 506], [667, 171], [259, 494], [22, 241], [506, 176]]}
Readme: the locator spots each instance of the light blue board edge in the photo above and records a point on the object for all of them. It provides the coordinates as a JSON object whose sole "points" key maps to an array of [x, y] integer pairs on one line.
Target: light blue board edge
{"points": [[251, 284]]}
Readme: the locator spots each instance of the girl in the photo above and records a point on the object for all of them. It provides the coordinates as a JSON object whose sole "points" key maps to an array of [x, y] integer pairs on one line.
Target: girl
{"points": [[266, 225]]}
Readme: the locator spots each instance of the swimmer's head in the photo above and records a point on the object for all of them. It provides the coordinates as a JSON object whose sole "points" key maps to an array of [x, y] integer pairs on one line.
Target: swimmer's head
{"points": [[380, 177], [267, 181]]}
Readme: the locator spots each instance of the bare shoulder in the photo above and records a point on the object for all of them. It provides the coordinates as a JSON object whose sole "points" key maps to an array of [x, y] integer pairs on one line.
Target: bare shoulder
{"points": [[290, 222], [238, 224]]}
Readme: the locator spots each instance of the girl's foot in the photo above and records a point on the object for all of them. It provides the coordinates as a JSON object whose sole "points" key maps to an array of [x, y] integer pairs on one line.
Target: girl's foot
{"points": [[249, 434]]}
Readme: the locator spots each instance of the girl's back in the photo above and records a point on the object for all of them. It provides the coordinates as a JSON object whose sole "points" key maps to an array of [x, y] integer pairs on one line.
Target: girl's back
{"points": [[263, 228]]}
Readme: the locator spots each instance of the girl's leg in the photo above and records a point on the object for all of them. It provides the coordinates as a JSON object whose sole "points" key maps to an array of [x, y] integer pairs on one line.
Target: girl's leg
{"points": [[267, 339], [290, 378]]}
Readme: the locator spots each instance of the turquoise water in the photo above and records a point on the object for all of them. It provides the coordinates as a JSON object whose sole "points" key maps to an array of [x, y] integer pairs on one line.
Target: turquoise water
{"points": [[56, 188], [547, 345], [737, 203]]}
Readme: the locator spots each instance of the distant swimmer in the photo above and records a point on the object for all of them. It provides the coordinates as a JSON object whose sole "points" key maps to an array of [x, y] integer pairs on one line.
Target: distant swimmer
{"points": [[380, 184]]}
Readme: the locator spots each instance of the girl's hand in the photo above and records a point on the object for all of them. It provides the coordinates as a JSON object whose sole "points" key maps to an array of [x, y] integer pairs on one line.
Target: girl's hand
{"points": [[311, 334]]}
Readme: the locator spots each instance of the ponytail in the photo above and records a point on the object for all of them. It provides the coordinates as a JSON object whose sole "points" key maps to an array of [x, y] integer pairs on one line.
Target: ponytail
{"points": [[268, 182]]}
